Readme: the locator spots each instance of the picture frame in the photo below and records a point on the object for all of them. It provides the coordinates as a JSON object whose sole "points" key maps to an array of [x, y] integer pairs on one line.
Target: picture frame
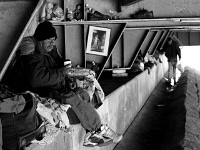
{"points": [[98, 40]]}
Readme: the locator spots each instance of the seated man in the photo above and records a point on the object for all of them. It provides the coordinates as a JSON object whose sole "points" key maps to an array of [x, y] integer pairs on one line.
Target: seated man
{"points": [[44, 73]]}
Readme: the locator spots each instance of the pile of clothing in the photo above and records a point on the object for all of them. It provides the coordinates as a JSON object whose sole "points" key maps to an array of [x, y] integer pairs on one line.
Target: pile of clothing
{"points": [[36, 119]]}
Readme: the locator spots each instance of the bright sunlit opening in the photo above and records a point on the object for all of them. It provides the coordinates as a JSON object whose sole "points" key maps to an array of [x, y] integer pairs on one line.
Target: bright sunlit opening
{"points": [[191, 56]]}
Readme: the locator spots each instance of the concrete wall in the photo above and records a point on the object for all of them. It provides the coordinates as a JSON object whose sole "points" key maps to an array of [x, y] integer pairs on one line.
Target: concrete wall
{"points": [[165, 8], [118, 110], [13, 17]]}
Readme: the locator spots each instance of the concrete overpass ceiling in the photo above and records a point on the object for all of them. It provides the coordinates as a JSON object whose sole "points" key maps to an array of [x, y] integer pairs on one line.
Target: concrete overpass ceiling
{"points": [[178, 17], [164, 8]]}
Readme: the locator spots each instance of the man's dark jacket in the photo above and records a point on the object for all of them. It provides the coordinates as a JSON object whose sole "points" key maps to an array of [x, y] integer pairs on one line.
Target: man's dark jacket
{"points": [[171, 51]]}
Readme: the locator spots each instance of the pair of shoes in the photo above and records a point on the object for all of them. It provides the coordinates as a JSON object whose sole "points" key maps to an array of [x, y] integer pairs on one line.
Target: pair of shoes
{"points": [[49, 135], [108, 133], [92, 139], [102, 137]]}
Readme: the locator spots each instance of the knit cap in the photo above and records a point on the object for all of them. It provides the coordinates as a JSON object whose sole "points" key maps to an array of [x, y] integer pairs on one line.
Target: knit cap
{"points": [[45, 30]]}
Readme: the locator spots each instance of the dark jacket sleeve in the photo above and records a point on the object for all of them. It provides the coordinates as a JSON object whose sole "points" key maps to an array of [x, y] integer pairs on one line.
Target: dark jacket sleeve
{"points": [[178, 51], [166, 50], [59, 60], [41, 72]]}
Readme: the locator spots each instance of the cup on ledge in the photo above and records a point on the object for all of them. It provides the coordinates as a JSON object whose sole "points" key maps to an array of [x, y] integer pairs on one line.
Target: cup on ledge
{"points": [[68, 63]]}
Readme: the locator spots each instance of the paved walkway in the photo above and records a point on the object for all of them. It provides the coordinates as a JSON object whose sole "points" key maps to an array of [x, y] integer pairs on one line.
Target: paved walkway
{"points": [[155, 127]]}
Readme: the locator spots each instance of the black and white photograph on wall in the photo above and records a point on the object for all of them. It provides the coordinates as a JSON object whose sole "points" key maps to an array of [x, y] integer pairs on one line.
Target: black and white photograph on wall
{"points": [[98, 41]]}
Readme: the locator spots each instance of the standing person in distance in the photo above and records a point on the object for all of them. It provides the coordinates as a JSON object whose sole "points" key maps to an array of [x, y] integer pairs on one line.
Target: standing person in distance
{"points": [[172, 51]]}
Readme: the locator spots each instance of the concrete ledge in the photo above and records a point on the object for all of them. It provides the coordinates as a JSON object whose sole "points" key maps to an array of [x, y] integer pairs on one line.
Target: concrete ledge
{"points": [[191, 139], [118, 110]]}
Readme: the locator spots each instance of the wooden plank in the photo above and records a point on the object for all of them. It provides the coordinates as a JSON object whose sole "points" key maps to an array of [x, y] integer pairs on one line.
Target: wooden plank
{"points": [[147, 42], [162, 32], [166, 23], [154, 43], [132, 43], [162, 39], [111, 50]]}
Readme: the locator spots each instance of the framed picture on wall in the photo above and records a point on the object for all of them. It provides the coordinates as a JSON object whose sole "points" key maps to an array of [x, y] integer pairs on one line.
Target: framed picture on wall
{"points": [[98, 41]]}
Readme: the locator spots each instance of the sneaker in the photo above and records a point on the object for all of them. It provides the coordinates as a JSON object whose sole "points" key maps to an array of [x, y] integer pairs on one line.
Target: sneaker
{"points": [[108, 133], [49, 135], [92, 139]]}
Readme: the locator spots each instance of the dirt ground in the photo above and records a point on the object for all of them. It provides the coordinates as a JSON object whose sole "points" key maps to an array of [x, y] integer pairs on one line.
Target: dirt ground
{"points": [[168, 120]]}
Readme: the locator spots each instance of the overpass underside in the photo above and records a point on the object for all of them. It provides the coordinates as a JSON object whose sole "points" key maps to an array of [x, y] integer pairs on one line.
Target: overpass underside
{"points": [[123, 104]]}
